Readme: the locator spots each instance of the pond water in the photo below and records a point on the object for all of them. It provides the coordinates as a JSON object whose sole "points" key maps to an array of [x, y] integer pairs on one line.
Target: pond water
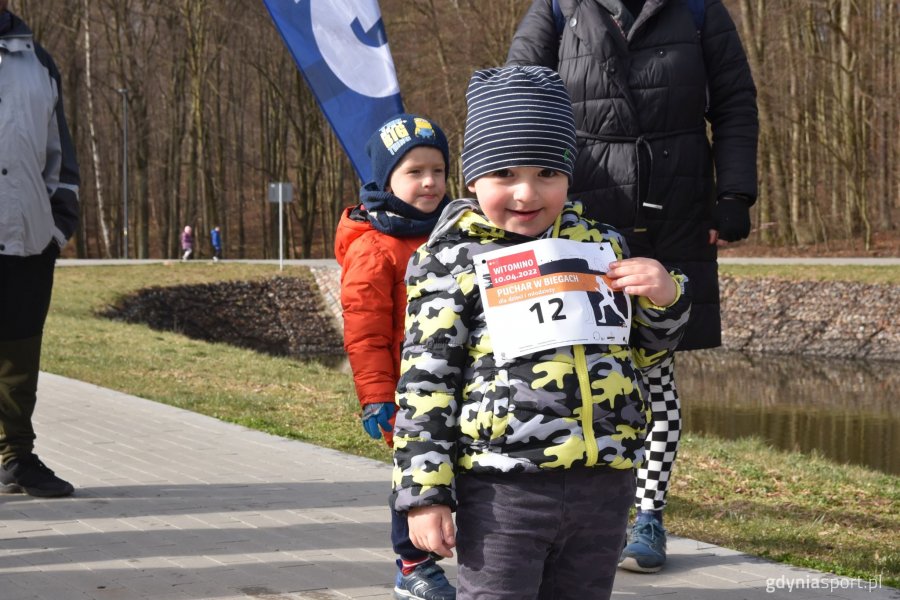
{"points": [[847, 411]]}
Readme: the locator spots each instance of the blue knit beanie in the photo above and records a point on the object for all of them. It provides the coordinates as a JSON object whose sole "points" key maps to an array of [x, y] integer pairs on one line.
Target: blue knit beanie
{"points": [[518, 117], [396, 137]]}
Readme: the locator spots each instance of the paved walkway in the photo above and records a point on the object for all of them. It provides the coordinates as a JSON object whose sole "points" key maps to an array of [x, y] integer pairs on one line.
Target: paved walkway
{"points": [[174, 505]]}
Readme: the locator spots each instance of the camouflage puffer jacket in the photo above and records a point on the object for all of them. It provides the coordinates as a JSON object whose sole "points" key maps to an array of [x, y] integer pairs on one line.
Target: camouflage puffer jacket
{"points": [[462, 411]]}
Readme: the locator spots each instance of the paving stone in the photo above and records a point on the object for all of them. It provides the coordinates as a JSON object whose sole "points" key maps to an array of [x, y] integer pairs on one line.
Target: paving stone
{"points": [[211, 510]]}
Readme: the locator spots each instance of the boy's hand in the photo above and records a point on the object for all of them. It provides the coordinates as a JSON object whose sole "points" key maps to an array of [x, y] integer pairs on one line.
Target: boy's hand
{"points": [[377, 418], [643, 277], [431, 529]]}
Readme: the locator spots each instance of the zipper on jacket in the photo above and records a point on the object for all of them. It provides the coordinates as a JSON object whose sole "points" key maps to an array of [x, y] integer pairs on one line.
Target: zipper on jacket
{"points": [[584, 384], [587, 406]]}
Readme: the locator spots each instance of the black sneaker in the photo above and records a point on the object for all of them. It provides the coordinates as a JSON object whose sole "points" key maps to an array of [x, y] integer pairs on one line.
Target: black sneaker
{"points": [[426, 582], [28, 475]]}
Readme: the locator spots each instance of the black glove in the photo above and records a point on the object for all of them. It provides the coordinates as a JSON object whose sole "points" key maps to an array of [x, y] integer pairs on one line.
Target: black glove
{"points": [[733, 217]]}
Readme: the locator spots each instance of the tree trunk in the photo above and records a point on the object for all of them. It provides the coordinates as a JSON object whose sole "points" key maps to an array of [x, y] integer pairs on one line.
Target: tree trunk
{"points": [[92, 127]]}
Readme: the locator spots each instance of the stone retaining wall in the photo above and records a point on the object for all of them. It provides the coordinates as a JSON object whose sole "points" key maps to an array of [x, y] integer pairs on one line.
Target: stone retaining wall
{"points": [[837, 319], [774, 316]]}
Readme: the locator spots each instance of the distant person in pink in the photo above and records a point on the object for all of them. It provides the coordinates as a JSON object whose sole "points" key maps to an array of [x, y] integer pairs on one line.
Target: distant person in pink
{"points": [[187, 243]]}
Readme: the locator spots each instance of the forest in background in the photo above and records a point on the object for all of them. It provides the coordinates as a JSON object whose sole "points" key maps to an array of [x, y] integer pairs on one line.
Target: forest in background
{"points": [[216, 110]]}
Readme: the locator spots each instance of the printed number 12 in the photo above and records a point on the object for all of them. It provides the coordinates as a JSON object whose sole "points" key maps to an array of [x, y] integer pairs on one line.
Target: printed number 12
{"points": [[557, 314]]}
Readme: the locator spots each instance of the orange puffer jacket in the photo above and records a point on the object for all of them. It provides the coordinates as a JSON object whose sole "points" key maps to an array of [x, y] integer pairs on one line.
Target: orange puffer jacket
{"points": [[373, 298]]}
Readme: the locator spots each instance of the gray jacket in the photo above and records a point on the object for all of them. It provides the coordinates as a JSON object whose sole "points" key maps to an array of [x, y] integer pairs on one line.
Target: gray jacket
{"points": [[38, 170]]}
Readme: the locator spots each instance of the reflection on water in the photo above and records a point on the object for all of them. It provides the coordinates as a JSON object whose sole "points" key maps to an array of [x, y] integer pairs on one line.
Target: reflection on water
{"points": [[848, 411]]}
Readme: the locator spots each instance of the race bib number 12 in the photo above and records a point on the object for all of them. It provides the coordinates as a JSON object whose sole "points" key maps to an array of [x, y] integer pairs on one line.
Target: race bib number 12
{"points": [[548, 294]]}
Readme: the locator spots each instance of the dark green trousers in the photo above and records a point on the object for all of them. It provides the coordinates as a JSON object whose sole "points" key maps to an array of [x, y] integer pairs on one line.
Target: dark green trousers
{"points": [[26, 284]]}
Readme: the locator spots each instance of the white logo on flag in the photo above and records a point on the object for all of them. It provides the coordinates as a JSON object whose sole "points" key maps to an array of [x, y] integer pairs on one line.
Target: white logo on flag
{"points": [[352, 55]]}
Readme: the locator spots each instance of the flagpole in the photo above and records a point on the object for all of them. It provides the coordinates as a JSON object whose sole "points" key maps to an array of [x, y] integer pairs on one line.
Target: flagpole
{"points": [[280, 228]]}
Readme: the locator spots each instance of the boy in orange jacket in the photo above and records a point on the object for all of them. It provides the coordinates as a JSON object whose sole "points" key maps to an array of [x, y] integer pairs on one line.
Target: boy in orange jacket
{"points": [[373, 244]]}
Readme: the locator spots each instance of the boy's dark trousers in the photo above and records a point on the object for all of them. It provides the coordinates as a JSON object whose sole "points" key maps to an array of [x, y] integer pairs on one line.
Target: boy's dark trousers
{"points": [[555, 535], [403, 547], [25, 287]]}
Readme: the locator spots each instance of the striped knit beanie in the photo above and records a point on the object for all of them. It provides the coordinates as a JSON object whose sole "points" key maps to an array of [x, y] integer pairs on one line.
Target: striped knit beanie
{"points": [[518, 117]]}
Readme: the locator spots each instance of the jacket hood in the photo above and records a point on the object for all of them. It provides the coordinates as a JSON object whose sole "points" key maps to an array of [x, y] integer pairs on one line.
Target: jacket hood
{"points": [[452, 214], [14, 27], [351, 226]]}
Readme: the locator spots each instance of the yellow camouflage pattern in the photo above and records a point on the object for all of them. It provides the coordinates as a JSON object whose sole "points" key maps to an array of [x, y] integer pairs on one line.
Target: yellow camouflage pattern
{"points": [[459, 410]]}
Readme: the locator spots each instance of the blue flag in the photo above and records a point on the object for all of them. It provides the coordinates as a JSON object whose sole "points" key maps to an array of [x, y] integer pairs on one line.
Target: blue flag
{"points": [[341, 48]]}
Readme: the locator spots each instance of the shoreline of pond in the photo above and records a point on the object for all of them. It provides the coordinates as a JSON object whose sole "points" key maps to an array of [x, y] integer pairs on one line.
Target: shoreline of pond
{"points": [[767, 315], [762, 316]]}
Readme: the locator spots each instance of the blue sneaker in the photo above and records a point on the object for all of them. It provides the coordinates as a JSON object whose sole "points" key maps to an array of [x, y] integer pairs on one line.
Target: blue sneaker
{"points": [[646, 549], [426, 582]]}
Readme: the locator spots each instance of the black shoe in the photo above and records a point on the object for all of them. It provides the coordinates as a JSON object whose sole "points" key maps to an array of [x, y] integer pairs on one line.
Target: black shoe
{"points": [[27, 474]]}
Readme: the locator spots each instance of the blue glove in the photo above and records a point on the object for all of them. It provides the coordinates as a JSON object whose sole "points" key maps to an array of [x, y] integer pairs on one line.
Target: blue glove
{"points": [[377, 417]]}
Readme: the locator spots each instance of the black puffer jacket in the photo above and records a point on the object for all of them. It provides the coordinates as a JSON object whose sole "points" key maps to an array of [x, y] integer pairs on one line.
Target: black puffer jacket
{"points": [[641, 109]]}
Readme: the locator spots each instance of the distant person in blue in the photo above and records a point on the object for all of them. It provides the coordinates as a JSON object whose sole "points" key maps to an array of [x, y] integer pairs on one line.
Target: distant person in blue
{"points": [[38, 214], [215, 238]]}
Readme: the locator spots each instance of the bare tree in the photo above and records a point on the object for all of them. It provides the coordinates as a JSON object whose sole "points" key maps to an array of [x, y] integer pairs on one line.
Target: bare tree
{"points": [[92, 128], [217, 110]]}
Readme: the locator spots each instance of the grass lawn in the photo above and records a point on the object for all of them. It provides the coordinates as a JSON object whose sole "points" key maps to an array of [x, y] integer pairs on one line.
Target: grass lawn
{"points": [[794, 508], [863, 274]]}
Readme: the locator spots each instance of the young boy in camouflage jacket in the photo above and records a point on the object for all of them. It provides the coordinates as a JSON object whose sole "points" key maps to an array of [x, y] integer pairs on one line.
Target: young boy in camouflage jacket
{"points": [[534, 451]]}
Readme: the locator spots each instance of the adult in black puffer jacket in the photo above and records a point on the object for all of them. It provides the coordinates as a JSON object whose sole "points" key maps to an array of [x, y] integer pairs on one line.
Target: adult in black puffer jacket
{"points": [[644, 82], [652, 86]]}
